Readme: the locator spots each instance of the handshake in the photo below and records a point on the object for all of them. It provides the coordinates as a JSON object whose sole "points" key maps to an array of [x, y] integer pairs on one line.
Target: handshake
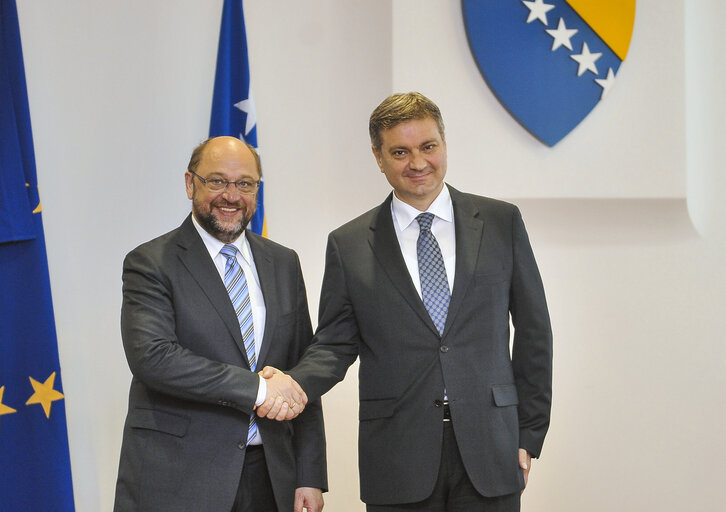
{"points": [[285, 398]]}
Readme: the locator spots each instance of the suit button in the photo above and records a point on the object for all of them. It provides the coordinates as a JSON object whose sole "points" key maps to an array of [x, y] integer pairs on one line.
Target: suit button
{"points": [[438, 403], [241, 445], [444, 349]]}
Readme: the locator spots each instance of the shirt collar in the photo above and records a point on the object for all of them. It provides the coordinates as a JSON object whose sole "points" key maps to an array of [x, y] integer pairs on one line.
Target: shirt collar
{"points": [[214, 246], [404, 214]]}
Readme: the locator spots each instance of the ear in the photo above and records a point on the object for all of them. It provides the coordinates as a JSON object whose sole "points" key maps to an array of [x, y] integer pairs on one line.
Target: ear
{"points": [[188, 180]]}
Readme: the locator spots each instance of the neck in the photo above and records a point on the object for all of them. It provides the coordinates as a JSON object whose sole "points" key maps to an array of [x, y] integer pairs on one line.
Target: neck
{"points": [[421, 204]]}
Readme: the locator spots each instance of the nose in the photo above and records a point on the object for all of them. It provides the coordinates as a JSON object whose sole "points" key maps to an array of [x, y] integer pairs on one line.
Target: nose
{"points": [[231, 193], [417, 161]]}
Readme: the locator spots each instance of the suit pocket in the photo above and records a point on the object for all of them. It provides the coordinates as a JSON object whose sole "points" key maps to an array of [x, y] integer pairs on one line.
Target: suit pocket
{"points": [[491, 277], [505, 395], [376, 408], [159, 421]]}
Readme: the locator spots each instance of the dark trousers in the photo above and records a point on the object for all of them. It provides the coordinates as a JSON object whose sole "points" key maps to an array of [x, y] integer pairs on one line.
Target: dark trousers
{"points": [[255, 488], [453, 491]]}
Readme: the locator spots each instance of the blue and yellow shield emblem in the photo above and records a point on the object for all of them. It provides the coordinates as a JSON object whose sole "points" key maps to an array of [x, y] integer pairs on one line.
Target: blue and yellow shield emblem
{"points": [[549, 61]]}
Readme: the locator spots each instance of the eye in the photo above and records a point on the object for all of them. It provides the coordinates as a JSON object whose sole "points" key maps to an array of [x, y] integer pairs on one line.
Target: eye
{"points": [[217, 182], [398, 153], [429, 147], [245, 184]]}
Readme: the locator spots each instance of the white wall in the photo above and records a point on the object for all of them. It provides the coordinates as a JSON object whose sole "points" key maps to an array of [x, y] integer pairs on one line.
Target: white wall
{"points": [[610, 154], [120, 93]]}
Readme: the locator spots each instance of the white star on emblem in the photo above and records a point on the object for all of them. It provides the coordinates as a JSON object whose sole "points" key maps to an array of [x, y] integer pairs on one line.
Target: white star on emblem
{"points": [[538, 10], [248, 107], [606, 83], [586, 60], [561, 35]]}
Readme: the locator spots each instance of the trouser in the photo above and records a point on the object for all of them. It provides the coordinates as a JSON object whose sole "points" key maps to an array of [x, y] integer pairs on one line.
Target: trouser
{"points": [[454, 491], [254, 493]]}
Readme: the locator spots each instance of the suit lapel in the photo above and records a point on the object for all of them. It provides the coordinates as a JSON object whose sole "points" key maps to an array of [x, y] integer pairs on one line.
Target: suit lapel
{"points": [[384, 243], [469, 229], [268, 282], [195, 257]]}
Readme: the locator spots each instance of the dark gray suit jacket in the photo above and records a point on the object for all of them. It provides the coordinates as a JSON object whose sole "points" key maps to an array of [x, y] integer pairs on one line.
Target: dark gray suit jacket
{"points": [[370, 309], [192, 392]]}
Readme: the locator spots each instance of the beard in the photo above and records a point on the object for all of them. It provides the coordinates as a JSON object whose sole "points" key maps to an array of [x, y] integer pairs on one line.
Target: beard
{"points": [[211, 224]]}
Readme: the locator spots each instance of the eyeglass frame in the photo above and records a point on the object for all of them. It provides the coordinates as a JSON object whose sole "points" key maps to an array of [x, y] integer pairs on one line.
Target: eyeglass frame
{"points": [[237, 184]]}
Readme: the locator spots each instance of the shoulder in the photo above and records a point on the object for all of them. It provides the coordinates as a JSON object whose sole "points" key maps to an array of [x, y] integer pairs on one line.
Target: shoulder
{"points": [[481, 206], [264, 246], [269, 245], [157, 245], [481, 202], [360, 225], [160, 248]]}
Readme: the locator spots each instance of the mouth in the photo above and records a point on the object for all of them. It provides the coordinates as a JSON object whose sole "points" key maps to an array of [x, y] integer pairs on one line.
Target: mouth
{"points": [[227, 211], [416, 176]]}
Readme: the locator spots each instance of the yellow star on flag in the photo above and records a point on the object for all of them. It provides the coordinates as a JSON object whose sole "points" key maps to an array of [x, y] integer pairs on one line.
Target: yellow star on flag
{"points": [[4, 409], [44, 393]]}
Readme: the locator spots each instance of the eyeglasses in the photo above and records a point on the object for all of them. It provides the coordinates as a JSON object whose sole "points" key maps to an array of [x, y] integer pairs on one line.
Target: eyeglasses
{"points": [[247, 187]]}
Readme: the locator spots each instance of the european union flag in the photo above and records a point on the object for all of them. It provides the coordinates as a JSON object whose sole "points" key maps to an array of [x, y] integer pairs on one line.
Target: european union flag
{"points": [[233, 108], [35, 470]]}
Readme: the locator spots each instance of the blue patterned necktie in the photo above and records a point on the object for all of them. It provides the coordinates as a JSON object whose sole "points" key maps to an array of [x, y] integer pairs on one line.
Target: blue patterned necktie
{"points": [[236, 284], [432, 272]]}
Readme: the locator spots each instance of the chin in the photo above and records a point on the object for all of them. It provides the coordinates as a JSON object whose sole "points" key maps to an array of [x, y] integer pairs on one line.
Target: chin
{"points": [[232, 229], [225, 231]]}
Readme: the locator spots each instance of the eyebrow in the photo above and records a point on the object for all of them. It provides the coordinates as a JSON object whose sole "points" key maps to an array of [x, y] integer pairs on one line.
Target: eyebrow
{"points": [[220, 174], [430, 141]]}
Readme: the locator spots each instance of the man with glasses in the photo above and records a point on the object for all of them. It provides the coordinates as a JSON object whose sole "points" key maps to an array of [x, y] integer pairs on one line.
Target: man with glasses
{"points": [[204, 306]]}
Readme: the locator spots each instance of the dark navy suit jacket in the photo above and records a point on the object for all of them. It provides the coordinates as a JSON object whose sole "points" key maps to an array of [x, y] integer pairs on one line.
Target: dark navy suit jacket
{"points": [[192, 391], [369, 308]]}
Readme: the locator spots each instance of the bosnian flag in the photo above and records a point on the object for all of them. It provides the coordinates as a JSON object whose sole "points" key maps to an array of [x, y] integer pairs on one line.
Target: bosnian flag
{"points": [[233, 107]]}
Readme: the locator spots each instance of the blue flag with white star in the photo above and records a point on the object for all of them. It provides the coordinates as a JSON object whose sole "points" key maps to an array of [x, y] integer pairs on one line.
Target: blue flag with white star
{"points": [[35, 469], [233, 108]]}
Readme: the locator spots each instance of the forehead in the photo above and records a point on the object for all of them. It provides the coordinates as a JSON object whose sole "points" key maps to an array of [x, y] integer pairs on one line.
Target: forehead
{"points": [[413, 132], [228, 159]]}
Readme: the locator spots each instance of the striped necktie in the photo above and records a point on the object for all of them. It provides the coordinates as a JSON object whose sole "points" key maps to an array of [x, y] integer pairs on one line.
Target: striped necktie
{"points": [[236, 284], [432, 272]]}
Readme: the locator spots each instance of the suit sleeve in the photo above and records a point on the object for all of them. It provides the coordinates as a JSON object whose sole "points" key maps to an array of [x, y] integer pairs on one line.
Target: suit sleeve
{"points": [[152, 349], [335, 345], [532, 346], [309, 440]]}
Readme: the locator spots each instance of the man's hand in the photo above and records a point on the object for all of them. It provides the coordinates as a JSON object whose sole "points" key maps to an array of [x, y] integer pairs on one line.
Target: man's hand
{"points": [[308, 498], [525, 461], [285, 398]]}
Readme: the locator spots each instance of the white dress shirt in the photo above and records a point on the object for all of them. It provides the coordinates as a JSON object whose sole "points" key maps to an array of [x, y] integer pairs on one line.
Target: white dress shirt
{"points": [[407, 230], [257, 301], [442, 227]]}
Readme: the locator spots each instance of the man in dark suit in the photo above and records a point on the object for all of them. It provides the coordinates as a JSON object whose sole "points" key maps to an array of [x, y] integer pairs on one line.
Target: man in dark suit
{"points": [[203, 306], [421, 289]]}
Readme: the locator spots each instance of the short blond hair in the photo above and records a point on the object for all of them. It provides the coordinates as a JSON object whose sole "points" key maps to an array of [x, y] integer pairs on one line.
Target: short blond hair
{"points": [[399, 108]]}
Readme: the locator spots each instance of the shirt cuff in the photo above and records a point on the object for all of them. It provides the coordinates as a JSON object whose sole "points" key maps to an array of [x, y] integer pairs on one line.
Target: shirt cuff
{"points": [[261, 392]]}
